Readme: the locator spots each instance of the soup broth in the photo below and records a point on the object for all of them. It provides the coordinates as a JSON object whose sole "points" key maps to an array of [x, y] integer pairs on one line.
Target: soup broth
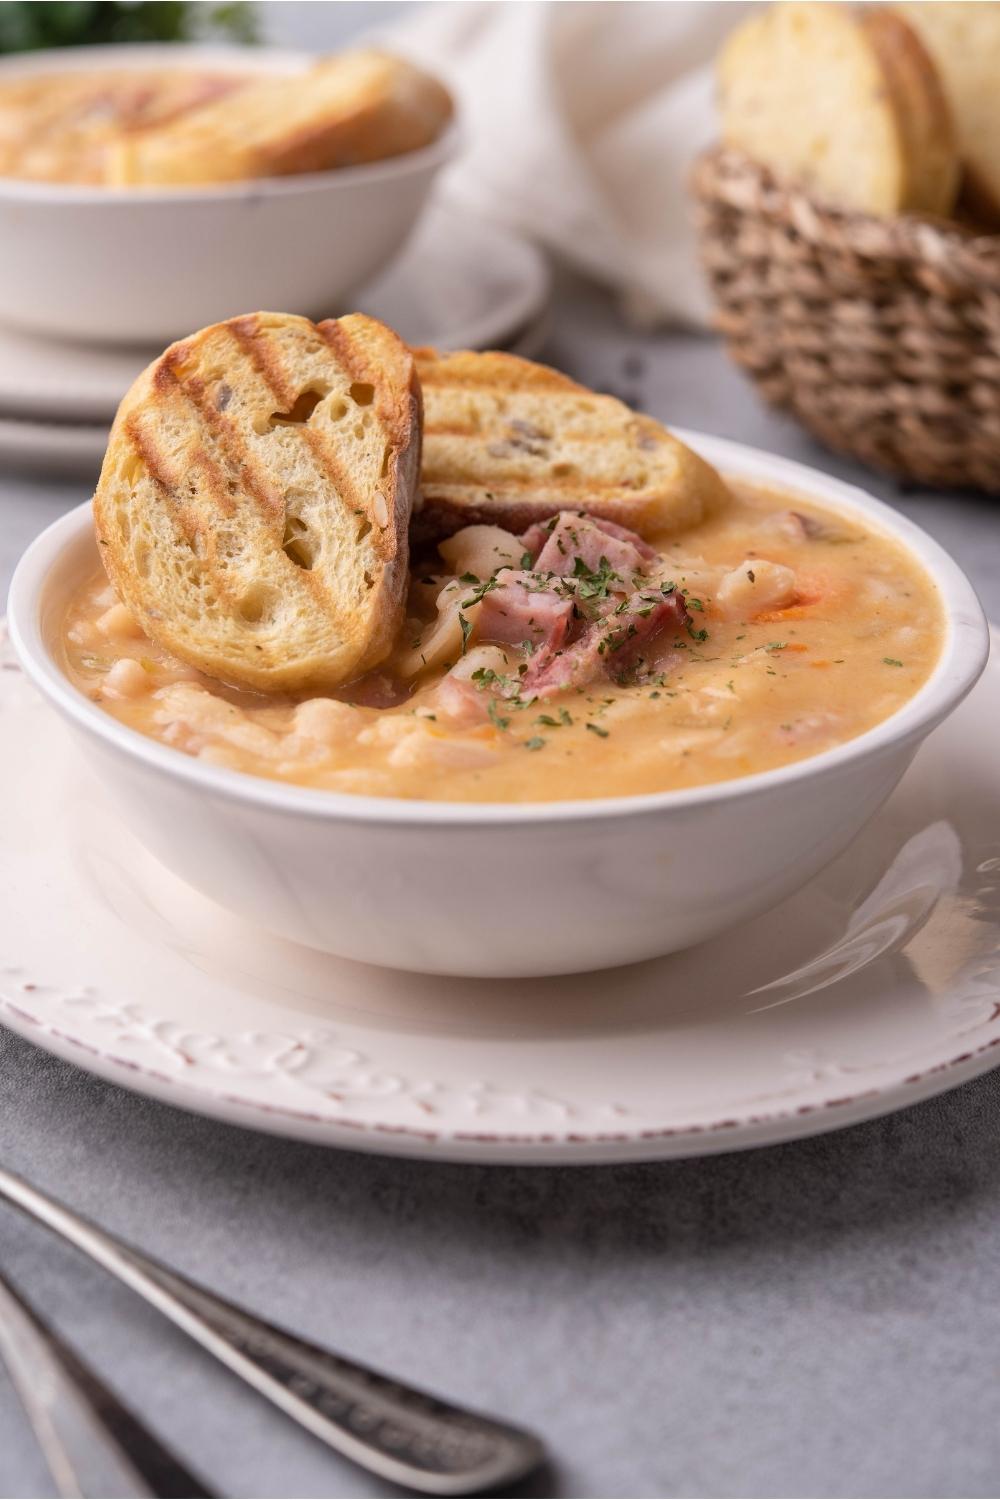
{"points": [[574, 661]]}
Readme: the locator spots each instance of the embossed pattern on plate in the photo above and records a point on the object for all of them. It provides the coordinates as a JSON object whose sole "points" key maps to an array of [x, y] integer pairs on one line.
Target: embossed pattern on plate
{"points": [[875, 986]]}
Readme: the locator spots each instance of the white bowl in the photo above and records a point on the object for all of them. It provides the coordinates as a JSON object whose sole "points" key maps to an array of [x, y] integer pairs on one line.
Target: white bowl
{"points": [[142, 265], [491, 889]]}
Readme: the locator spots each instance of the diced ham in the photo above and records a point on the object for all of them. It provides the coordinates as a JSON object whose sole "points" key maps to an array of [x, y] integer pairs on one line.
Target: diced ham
{"points": [[577, 541], [609, 647], [535, 537], [556, 548], [623, 534], [515, 612], [575, 628]]}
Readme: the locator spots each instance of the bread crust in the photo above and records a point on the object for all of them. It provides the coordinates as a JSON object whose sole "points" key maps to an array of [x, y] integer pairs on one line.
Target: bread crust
{"points": [[509, 442], [929, 145], [254, 502], [963, 40], [349, 109]]}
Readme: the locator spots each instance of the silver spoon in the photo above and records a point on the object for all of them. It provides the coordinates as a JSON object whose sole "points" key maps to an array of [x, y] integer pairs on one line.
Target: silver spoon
{"points": [[396, 1431], [92, 1443]]}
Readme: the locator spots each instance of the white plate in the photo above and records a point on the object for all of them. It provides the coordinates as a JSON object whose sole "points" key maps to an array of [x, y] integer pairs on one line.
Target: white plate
{"points": [[461, 283], [77, 448], [876, 986], [63, 448]]}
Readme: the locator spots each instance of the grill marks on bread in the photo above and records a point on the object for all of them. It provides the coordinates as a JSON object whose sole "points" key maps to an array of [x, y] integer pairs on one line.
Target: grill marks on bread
{"points": [[509, 442], [254, 501], [356, 107]]}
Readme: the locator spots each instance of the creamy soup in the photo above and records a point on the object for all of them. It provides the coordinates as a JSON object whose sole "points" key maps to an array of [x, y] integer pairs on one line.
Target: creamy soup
{"points": [[575, 660]]}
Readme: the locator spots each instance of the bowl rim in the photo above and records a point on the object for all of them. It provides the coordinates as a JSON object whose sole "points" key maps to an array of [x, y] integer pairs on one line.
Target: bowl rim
{"points": [[963, 657], [125, 57]]}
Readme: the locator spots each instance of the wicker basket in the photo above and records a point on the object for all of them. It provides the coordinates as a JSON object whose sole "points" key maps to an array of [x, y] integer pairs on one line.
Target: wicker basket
{"points": [[881, 335]]}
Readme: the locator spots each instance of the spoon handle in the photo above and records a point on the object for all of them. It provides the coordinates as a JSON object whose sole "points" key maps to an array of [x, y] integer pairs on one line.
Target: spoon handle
{"points": [[396, 1431], [94, 1446]]}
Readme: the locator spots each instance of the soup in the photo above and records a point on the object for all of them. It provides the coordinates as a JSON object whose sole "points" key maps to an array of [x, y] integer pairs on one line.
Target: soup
{"points": [[575, 660]]}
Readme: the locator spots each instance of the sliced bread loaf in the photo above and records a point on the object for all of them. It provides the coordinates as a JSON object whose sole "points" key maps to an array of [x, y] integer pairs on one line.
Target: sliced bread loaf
{"points": [[845, 101], [964, 41]]}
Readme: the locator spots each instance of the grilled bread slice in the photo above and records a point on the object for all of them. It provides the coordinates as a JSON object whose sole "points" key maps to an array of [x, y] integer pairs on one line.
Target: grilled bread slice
{"points": [[510, 442], [61, 127], [845, 101], [352, 108], [964, 41], [253, 506]]}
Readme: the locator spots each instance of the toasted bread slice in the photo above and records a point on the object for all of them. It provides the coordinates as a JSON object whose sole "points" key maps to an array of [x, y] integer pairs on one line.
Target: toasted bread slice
{"points": [[510, 442], [60, 127], [353, 108], [253, 506], [846, 102], [964, 41]]}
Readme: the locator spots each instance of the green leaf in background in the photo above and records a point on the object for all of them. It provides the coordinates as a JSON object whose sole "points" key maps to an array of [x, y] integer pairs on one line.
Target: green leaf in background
{"points": [[76, 23]]}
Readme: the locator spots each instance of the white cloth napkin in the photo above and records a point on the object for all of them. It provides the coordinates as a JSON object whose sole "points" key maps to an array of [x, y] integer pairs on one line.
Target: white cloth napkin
{"points": [[582, 122]]}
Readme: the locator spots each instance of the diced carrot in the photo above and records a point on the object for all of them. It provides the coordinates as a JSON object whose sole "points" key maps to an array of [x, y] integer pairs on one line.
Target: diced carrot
{"points": [[810, 589], [775, 616]]}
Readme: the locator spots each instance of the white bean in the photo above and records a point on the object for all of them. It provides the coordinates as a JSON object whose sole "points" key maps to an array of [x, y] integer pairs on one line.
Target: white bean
{"points": [[118, 620], [755, 585], [326, 721], [126, 679], [481, 550]]}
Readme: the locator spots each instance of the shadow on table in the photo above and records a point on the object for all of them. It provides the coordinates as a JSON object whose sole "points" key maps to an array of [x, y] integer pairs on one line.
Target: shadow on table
{"points": [[576, 1283], [918, 1164]]}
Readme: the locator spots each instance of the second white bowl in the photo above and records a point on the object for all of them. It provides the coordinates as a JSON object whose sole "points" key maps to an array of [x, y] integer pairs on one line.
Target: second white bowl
{"points": [[142, 266]]}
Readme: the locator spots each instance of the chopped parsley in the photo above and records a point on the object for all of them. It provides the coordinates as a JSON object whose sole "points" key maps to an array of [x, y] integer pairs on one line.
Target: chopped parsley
{"points": [[891, 661], [466, 631], [596, 729], [481, 592], [595, 585], [535, 743]]}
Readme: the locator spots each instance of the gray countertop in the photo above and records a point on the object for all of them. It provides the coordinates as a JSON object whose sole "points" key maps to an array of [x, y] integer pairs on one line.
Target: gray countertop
{"points": [[812, 1319]]}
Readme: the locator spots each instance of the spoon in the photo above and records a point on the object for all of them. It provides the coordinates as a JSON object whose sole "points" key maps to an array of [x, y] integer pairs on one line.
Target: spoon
{"points": [[401, 1433]]}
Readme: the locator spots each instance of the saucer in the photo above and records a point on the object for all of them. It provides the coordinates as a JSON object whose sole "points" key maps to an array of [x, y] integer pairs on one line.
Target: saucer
{"points": [[877, 985], [76, 449], [460, 283]]}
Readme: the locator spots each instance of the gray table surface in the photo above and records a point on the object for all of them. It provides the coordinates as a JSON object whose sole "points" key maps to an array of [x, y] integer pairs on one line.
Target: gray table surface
{"points": [[814, 1319]]}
